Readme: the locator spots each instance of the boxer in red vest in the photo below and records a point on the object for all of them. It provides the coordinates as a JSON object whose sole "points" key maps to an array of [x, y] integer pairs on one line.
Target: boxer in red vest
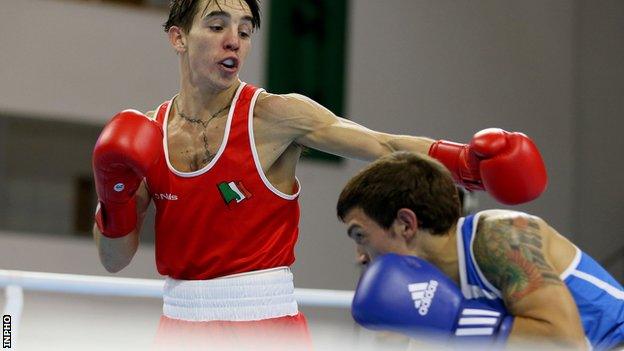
{"points": [[218, 160]]}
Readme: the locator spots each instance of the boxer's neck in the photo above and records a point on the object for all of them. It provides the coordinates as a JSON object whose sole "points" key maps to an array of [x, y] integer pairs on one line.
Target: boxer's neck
{"points": [[203, 103], [439, 250]]}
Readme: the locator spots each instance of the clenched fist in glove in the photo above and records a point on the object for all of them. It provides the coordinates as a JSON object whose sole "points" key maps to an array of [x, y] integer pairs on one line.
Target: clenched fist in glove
{"points": [[127, 147], [507, 165]]}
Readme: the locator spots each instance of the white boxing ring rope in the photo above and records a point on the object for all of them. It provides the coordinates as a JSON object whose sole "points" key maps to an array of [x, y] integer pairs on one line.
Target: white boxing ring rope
{"points": [[132, 287], [16, 281]]}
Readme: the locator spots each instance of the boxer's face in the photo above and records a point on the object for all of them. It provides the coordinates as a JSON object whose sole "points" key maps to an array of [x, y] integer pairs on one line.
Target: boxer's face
{"points": [[371, 239], [218, 42]]}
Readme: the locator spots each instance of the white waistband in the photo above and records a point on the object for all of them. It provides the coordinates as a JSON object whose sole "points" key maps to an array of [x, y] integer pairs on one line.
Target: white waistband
{"points": [[248, 296]]}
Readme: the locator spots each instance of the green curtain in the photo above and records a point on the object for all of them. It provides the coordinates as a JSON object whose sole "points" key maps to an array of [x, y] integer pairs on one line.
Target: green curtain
{"points": [[307, 41]]}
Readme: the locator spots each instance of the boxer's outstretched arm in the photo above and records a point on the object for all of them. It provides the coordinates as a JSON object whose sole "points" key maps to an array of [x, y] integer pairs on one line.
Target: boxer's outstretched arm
{"points": [[308, 123], [507, 165], [116, 253], [511, 251]]}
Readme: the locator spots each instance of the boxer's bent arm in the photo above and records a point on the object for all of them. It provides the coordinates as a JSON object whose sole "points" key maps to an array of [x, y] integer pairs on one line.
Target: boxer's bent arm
{"points": [[116, 253], [510, 249], [310, 124]]}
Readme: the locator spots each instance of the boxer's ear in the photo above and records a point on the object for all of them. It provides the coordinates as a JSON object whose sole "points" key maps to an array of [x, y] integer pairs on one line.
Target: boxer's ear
{"points": [[406, 224], [177, 38]]}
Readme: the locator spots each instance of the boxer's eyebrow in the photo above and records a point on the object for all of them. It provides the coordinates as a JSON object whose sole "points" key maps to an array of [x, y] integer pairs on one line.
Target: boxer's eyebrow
{"points": [[247, 18], [226, 15], [217, 14]]}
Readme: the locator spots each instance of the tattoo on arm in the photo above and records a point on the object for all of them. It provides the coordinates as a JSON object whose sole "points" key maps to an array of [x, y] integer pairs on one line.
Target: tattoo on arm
{"points": [[510, 254]]}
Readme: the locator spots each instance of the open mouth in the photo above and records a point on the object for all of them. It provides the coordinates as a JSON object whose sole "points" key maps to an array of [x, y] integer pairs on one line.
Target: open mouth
{"points": [[229, 63]]}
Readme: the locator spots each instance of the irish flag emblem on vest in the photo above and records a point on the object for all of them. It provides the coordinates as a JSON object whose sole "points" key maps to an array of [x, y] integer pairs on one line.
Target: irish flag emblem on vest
{"points": [[233, 192]]}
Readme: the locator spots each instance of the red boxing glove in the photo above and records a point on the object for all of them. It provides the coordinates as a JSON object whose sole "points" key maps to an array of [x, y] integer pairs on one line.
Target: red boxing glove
{"points": [[127, 147], [507, 165]]}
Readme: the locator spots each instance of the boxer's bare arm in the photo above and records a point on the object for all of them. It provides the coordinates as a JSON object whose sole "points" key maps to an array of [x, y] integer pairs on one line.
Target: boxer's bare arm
{"points": [[511, 251], [116, 253], [308, 123]]}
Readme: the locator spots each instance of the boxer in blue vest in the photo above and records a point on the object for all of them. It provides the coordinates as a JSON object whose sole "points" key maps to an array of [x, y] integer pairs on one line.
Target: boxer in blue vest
{"points": [[497, 276]]}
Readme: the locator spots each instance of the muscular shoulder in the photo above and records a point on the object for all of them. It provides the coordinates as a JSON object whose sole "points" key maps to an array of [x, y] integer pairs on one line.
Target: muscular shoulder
{"points": [[282, 104], [294, 111], [508, 228], [506, 217], [511, 250]]}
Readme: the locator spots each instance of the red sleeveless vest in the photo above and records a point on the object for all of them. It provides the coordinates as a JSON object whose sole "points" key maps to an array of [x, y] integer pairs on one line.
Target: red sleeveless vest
{"points": [[225, 218]]}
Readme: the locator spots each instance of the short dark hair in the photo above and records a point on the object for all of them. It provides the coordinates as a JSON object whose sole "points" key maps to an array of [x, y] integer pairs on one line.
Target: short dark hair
{"points": [[403, 180], [182, 12]]}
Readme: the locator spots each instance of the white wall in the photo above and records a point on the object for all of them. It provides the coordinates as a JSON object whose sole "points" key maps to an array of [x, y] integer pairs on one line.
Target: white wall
{"points": [[448, 69], [598, 189]]}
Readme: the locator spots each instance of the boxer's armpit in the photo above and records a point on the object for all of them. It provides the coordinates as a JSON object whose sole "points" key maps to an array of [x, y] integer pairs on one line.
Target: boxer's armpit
{"points": [[510, 253]]}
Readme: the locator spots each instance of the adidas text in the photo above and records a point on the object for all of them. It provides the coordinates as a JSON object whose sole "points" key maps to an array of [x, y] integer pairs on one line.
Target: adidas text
{"points": [[422, 294]]}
